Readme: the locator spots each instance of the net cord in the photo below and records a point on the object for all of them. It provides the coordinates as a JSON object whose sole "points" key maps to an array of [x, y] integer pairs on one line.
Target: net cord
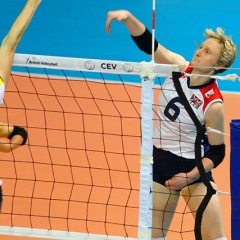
{"points": [[232, 77]]}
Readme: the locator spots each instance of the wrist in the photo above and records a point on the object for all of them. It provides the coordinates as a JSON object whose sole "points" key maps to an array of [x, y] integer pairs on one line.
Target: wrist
{"points": [[193, 175]]}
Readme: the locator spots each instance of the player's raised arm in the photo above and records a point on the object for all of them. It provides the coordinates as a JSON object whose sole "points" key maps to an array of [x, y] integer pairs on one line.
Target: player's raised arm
{"points": [[13, 37], [143, 38]]}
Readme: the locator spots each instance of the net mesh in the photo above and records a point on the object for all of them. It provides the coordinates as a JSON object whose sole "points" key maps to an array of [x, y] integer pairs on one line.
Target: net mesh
{"points": [[79, 171]]}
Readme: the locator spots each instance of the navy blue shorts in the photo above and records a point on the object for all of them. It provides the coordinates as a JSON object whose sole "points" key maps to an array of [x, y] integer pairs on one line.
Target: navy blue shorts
{"points": [[167, 164]]}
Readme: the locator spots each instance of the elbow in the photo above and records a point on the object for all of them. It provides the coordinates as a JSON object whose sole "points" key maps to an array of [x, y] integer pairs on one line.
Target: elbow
{"points": [[216, 154], [10, 43]]}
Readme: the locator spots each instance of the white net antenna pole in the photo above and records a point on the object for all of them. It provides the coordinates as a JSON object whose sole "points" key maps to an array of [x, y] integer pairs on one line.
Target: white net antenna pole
{"points": [[153, 28], [145, 202]]}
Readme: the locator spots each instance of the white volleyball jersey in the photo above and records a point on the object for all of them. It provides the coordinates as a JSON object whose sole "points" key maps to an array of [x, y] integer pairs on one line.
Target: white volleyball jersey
{"points": [[175, 130], [2, 90]]}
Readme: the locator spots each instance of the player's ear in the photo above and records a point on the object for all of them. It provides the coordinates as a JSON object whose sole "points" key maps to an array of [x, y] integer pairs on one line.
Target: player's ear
{"points": [[219, 66]]}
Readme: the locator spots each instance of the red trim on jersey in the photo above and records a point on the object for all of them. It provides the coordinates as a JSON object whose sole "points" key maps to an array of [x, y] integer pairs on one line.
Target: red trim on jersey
{"points": [[187, 70], [210, 93]]}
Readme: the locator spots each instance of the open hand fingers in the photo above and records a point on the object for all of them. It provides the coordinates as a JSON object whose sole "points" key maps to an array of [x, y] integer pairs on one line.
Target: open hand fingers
{"points": [[115, 15]]}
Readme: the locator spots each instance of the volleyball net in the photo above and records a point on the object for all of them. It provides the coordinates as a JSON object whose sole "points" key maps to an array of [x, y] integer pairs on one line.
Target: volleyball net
{"points": [[86, 170]]}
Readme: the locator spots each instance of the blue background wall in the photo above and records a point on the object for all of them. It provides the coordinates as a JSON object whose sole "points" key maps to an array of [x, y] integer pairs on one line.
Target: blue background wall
{"points": [[76, 28]]}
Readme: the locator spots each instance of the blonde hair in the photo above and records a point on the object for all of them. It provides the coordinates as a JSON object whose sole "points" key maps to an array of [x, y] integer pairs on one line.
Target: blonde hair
{"points": [[229, 49]]}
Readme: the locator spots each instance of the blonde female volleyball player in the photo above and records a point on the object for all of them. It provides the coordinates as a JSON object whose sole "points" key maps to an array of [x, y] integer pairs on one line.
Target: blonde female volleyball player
{"points": [[174, 169], [17, 135]]}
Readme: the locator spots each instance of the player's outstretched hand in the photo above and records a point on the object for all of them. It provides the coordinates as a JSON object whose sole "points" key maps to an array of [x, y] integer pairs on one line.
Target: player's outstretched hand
{"points": [[119, 15]]}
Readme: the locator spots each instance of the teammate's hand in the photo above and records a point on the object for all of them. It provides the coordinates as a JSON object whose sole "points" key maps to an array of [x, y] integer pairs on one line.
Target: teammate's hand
{"points": [[119, 15]]}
